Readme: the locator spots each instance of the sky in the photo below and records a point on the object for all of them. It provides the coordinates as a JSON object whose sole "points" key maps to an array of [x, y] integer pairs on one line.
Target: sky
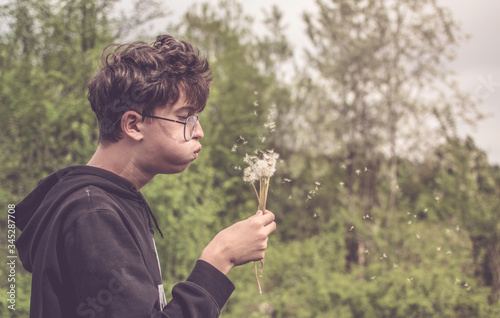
{"points": [[477, 65]]}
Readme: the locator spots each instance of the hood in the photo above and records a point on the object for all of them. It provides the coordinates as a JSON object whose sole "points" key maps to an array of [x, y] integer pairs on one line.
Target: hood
{"points": [[35, 213]]}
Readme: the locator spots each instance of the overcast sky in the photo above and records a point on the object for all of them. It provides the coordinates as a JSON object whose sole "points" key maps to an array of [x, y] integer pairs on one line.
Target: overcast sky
{"points": [[477, 65]]}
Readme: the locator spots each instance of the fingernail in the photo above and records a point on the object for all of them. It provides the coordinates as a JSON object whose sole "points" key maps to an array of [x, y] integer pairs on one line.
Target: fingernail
{"points": [[259, 212]]}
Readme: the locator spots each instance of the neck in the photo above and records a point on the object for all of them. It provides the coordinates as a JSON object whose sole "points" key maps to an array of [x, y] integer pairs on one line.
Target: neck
{"points": [[117, 159]]}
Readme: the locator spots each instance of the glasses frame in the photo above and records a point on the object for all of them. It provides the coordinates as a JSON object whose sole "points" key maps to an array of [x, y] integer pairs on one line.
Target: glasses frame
{"points": [[179, 122]]}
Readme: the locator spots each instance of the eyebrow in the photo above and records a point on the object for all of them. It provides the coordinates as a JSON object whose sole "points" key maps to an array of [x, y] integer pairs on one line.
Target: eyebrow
{"points": [[188, 108]]}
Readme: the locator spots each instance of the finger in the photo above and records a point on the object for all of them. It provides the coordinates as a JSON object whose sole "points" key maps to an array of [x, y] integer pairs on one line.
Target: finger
{"points": [[268, 217], [270, 227]]}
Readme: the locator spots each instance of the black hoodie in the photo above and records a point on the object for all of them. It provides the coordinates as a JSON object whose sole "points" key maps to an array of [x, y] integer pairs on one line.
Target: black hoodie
{"points": [[88, 240]]}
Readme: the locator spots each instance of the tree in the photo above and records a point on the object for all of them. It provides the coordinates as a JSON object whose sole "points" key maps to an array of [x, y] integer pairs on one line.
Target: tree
{"points": [[470, 190], [380, 68]]}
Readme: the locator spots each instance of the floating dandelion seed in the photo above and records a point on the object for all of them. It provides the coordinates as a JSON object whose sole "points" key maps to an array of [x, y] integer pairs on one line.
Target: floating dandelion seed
{"points": [[256, 103], [352, 228], [315, 215], [394, 265], [410, 279], [289, 197], [438, 248], [409, 222], [255, 113], [437, 198], [341, 184], [448, 252], [366, 169], [286, 180], [235, 147], [358, 171], [270, 125], [342, 166], [418, 237], [373, 277], [262, 139], [425, 210], [242, 140]]}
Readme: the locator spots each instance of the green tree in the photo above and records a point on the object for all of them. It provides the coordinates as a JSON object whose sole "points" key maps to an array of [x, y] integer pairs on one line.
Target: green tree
{"points": [[470, 190]]}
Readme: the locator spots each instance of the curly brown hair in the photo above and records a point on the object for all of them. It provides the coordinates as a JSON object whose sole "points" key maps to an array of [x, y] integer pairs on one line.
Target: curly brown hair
{"points": [[141, 77]]}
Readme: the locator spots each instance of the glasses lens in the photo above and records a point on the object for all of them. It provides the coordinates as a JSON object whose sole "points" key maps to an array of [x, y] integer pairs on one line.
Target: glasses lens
{"points": [[190, 127]]}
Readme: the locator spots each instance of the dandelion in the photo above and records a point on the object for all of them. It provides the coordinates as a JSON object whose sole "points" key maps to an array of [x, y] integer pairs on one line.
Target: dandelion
{"points": [[261, 170]]}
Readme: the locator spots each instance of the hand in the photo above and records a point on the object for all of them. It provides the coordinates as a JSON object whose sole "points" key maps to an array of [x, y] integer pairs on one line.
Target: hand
{"points": [[240, 243]]}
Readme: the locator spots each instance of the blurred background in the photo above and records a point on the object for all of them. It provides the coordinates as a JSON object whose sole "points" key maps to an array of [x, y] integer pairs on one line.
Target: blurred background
{"points": [[385, 115]]}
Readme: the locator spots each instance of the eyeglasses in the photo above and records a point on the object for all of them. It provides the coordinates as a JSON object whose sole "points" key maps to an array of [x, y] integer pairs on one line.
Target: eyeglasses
{"points": [[189, 124]]}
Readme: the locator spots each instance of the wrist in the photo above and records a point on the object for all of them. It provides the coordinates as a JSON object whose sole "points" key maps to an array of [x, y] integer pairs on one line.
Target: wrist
{"points": [[216, 259]]}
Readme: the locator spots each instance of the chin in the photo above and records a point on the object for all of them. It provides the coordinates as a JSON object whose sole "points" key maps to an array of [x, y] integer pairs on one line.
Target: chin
{"points": [[176, 169]]}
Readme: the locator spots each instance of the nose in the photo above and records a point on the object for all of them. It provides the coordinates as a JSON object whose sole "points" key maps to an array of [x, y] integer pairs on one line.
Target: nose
{"points": [[198, 131]]}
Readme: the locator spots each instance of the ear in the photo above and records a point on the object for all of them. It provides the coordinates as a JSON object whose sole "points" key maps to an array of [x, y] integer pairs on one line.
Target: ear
{"points": [[132, 124]]}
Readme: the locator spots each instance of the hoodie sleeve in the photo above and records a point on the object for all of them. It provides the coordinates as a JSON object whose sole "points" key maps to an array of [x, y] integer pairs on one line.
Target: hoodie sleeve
{"points": [[113, 278]]}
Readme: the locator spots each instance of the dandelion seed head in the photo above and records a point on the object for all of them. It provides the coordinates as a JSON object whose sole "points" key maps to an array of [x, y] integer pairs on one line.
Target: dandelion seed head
{"points": [[260, 167]]}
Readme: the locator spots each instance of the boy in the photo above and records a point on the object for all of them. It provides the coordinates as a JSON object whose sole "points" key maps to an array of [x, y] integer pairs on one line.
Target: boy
{"points": [[87, 232]]}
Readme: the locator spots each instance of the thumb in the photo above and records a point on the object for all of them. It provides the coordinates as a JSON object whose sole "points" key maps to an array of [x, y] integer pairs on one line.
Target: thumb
{"points": [[259, 212]]}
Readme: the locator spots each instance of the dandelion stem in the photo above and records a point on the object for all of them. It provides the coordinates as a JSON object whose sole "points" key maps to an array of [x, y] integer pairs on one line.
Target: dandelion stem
{"points": [[256, 194]]}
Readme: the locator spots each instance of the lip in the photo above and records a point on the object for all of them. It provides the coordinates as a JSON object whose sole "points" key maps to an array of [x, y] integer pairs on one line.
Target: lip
{"points": [[196, 152]]}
